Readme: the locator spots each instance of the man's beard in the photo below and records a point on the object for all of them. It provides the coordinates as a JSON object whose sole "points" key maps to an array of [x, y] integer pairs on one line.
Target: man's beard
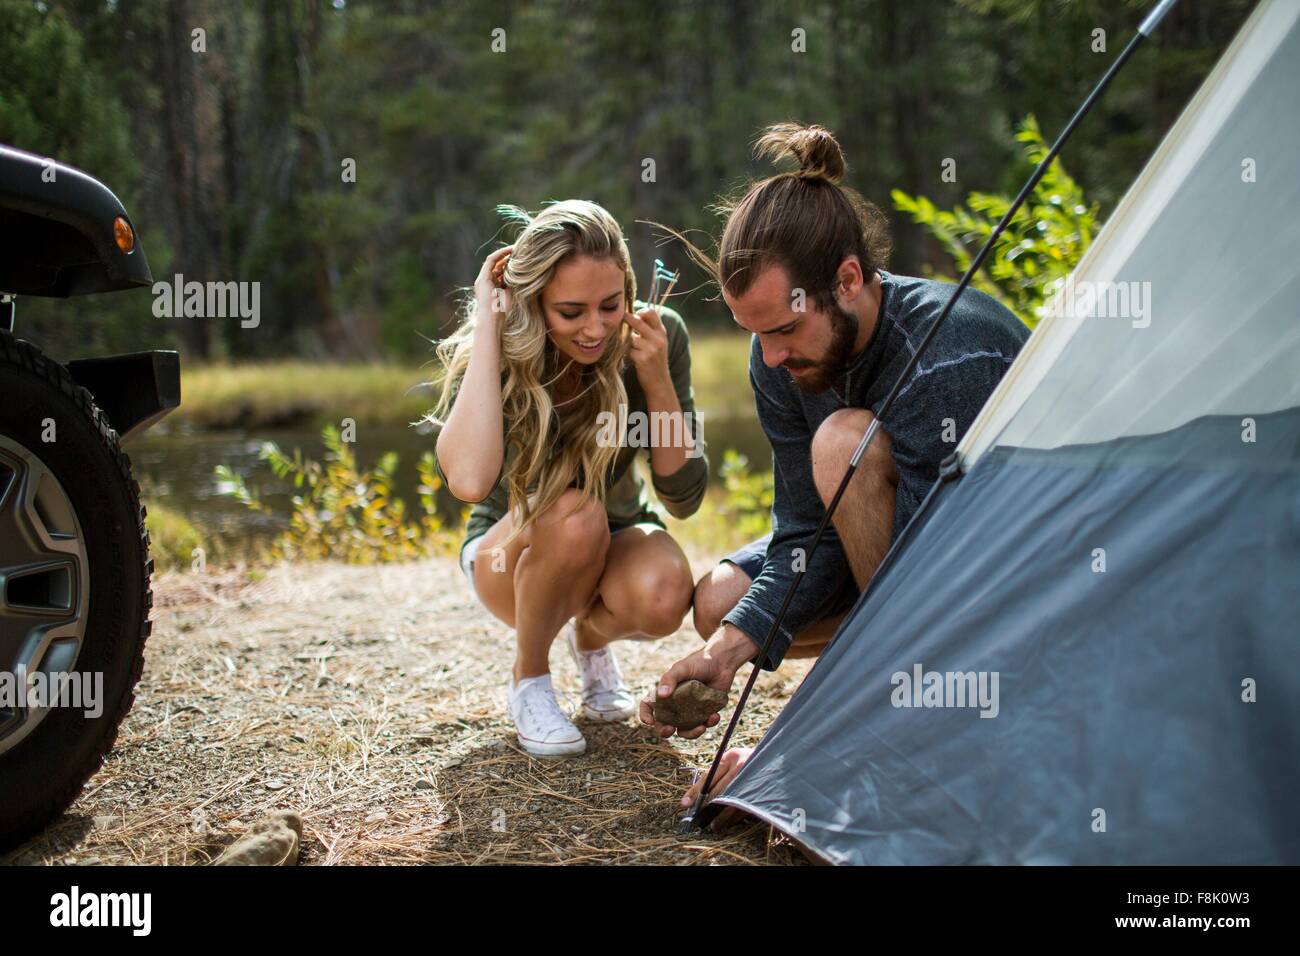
{"points": [[827, 370]]}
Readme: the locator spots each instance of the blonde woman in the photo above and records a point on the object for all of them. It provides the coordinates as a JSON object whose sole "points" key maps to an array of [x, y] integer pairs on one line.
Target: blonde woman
{"points": [[551, 381]]}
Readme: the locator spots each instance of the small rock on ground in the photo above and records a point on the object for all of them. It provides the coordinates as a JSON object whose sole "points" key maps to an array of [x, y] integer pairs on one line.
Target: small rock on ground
{"points": [[271, 841]]}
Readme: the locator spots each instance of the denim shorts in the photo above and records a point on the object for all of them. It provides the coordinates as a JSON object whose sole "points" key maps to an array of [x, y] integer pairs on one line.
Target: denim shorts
{"points": [[467, 552], [751, 557]]}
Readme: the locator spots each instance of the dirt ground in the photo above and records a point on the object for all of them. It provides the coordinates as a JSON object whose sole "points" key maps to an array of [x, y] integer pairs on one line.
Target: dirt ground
{"points": [[371, 700]]}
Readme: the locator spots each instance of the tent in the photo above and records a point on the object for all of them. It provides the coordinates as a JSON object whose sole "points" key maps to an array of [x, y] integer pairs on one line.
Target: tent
{"points": [[1085, 648]]}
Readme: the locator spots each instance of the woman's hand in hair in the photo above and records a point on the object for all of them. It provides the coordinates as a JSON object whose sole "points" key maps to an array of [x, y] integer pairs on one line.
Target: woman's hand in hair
{"points": [[491, 293], [649, 351]]}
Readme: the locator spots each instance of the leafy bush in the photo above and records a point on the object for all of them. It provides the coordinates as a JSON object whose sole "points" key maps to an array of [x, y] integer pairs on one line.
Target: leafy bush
{"points": [[172, 537], [1038, 249], [344, 513], [748, 503]]}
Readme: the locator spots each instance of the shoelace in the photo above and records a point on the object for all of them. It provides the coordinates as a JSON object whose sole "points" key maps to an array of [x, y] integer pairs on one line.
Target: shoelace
{"points": [[546, 707]]}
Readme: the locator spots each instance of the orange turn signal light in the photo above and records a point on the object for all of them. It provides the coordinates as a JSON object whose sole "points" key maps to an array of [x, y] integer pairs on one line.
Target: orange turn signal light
{"points": [[123, 234]]}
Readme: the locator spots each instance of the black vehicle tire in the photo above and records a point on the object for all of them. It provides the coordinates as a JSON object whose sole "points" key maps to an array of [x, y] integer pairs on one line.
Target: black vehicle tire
{"points": [[43, 773]]}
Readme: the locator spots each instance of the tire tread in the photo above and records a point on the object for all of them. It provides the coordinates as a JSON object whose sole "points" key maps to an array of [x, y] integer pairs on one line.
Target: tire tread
{"points": [[28, 358]]}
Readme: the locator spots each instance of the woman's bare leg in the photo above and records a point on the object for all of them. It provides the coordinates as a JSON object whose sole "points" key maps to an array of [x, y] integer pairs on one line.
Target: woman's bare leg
{"points": [[545, 576], [644, 592]]}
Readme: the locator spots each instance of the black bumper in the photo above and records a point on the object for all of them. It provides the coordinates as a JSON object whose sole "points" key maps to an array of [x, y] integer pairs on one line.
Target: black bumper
{"points": [[134, 390]]}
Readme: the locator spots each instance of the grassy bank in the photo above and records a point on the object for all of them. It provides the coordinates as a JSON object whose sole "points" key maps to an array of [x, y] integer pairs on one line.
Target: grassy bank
{"points": [[260, 398], [281, 394]]}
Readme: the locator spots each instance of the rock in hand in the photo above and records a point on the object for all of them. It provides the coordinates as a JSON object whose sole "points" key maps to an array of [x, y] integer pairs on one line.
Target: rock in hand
{"points": [[690, 705]]}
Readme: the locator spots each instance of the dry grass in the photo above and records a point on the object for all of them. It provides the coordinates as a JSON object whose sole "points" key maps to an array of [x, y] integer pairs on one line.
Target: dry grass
{"points": [[275, 394], [257, 395], [371, 700]]}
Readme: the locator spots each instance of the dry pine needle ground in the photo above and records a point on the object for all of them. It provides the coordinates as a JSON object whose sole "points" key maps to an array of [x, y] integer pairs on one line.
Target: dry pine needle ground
{"points": [[371, 701]]}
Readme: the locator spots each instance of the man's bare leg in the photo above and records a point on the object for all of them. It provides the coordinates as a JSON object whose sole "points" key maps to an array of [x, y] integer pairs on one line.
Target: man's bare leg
{"points": [[722, 588], [864, 519], [864, 522]]}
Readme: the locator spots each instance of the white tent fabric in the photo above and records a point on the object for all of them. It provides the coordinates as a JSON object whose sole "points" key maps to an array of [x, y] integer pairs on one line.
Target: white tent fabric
{"points": [[1204, 247], [1123, 723]]}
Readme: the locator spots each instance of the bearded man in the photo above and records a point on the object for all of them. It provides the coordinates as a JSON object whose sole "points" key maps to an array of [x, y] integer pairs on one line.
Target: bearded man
{"points": [[801, 266]]}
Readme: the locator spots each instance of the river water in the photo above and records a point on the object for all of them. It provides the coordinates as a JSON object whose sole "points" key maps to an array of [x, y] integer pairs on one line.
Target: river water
{"points": [[175, 466]]}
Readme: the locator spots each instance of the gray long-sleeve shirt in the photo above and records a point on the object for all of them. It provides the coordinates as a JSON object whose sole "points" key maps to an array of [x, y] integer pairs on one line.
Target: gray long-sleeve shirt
{"points": [[956, 374]]}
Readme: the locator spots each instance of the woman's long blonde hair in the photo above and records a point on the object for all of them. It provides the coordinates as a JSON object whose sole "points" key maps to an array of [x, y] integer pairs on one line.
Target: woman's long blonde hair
{"points": [[553, 453]]}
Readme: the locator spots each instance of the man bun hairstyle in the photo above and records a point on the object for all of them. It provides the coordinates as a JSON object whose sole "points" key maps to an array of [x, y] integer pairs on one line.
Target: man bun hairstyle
{"points": [[804, 220], [815, 150]]}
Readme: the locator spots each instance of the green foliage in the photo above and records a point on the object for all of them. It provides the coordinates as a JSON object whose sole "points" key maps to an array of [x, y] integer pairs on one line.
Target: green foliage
{"points": [[409, 295], [172, 537], [343, 513], [1040, 246], [231, 161], [748, 503], [57, 100], [54, 100]]}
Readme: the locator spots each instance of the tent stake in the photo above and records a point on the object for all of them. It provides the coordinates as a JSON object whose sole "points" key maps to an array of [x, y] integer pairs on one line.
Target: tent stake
{"points": [[1147, 26]]}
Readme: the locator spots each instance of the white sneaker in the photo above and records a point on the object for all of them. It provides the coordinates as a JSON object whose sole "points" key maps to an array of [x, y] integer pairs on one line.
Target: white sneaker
{"points": [[542, 727], [604, 694]]}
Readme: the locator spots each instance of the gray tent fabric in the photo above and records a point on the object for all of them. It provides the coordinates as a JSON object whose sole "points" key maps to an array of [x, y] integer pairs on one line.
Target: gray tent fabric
{"points": [[1119, 685], [1084, 649]]}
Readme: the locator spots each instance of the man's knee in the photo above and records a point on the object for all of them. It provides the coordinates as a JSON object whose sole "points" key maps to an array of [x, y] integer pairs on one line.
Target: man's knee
{"points": [[834, 443], [715, 595]]}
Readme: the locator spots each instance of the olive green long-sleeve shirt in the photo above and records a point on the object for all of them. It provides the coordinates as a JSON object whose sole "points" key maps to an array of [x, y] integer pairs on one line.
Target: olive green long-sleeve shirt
{"points": [[626, 499]]}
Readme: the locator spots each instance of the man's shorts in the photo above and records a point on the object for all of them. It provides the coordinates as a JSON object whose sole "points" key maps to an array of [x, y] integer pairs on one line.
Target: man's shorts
{"points": [[753, 556]]}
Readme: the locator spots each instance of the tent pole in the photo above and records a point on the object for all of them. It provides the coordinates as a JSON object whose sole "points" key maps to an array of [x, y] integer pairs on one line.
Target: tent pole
{"points": [[1147, 26]]}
